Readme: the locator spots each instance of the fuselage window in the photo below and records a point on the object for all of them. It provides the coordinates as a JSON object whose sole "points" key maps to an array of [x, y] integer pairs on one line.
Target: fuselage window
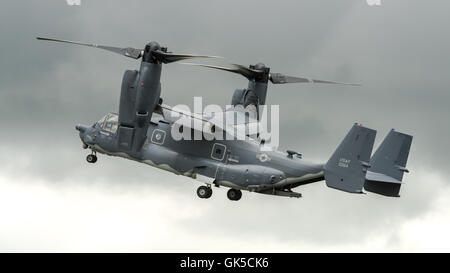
{"points": [[218, 151]]}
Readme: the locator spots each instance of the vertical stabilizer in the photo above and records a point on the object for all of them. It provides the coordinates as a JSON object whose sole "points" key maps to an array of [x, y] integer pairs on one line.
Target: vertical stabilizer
{"points": [[346, 169]]}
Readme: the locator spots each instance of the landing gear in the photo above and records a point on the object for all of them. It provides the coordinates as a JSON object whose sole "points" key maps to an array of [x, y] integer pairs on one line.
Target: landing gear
{"points": [[234, 195], [92, 158], [204, 192]]}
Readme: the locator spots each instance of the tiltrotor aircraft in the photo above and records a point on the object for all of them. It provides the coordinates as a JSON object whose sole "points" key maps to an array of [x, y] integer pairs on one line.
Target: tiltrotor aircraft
{"points": [[141, 131]]}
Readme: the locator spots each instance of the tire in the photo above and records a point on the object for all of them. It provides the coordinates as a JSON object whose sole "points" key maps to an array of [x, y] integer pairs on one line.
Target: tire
{"points": [[234, 195], [238, 197], [210, 191], [204, 192], [91, 158]]}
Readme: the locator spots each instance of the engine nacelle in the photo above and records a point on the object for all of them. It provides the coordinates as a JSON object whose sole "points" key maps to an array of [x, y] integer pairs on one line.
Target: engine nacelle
{"points": [[128, 98], [139, 97], [148, 92], [244, 97], [238, 97]]}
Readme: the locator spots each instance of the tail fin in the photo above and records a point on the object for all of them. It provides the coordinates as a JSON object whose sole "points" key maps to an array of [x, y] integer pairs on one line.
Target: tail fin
{"points": [[388, 165], [347, 167]]}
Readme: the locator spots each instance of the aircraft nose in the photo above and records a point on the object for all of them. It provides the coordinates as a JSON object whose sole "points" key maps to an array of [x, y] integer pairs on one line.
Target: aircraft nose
{"points": [[85, 135], [88, 139], [81, 128]]}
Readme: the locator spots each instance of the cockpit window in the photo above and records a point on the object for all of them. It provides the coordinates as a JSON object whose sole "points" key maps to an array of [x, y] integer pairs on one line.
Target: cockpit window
{"points": [[101, 121], [109, 123]]}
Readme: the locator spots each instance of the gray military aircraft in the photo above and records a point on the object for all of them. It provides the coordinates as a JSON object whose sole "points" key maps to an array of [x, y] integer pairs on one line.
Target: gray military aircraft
{"points": [[141, 131]]}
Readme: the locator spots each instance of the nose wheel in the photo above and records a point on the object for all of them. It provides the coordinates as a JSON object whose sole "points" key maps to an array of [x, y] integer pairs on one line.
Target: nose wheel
{"points": [[234, 195], [92, 158], [204, 192]]}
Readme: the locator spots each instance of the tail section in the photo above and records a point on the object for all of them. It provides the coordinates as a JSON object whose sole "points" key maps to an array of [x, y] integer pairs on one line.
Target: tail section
{"points": [[347, 167], [388, 165]]}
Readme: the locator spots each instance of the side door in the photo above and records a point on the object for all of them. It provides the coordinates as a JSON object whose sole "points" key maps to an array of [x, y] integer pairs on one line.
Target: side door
{"points": [[219, 152]]}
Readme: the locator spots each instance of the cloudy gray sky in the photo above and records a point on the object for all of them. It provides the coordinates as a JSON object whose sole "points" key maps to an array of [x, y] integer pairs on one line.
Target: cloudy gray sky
{"points": [[52, 200]]}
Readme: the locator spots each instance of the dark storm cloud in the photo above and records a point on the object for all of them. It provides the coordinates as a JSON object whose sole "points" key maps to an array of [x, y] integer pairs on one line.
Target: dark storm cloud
{"points": [[398, 52]]}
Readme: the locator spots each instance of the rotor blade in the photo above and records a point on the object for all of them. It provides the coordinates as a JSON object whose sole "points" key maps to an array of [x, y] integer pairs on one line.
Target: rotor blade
{"points": [[232, 70], [278, 78], [238, 69], [331, 82], [128, 51], [167, 57], [248, 72]]}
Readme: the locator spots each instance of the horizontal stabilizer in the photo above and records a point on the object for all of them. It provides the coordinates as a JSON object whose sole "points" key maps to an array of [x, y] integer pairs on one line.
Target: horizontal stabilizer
{"points": [[346, 169], [388, 164], [382, 184]]}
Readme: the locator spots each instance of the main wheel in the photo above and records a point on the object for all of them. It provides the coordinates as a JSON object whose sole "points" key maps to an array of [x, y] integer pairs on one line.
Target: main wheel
{"points": [[91, 158], [209, 192], [204, 192], [234, 195]]}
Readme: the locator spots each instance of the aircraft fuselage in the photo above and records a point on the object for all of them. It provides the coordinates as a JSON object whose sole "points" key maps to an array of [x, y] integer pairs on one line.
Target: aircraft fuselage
{"points": [[237, 164]]}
